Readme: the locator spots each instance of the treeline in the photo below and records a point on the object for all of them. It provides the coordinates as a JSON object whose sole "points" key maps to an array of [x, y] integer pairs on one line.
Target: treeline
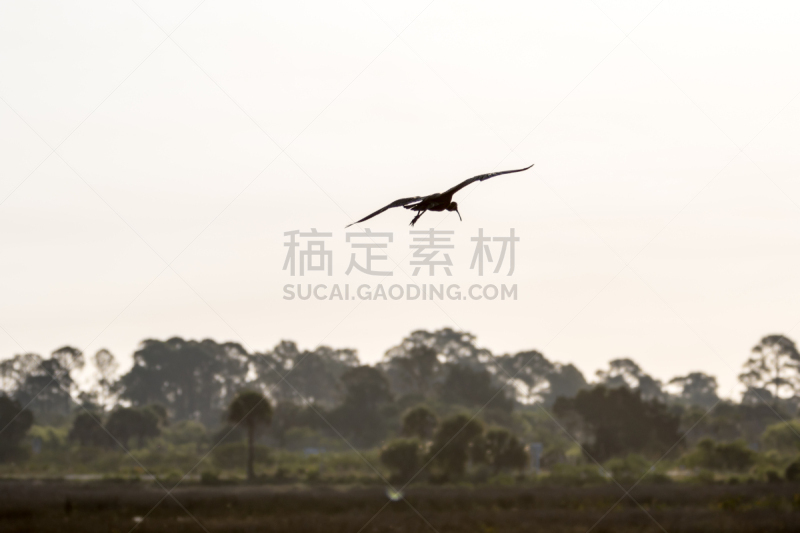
{"points": [[319, 396]]}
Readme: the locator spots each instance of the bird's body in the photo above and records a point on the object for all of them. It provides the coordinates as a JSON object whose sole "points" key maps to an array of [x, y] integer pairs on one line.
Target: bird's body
{"points": [[437, 201]]}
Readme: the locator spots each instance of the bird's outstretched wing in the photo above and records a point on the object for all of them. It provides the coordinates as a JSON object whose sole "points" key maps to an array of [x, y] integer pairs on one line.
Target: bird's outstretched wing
{"points": [[402, 202], [480, 178]]}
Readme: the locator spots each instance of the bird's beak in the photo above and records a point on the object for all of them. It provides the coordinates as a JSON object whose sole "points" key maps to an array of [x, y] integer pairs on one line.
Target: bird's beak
{"points": [[459, 216]]}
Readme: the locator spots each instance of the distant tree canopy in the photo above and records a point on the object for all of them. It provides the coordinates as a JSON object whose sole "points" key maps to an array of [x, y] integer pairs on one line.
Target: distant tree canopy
{"points": [[419, 362], [362, 418], [14, 425], [414, 371], [774, 362], [565, 381], [729, 421], [626, 373], [422, 362], [321, 394], [105, 365], [133, 426], [44, 385], [310, 376], [616, 421], [697, 388], [474, 388], [193, 380], [538, 380]]}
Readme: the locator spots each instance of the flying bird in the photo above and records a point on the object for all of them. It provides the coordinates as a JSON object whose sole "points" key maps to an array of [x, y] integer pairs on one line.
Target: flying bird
{"points": [[439, 201]]}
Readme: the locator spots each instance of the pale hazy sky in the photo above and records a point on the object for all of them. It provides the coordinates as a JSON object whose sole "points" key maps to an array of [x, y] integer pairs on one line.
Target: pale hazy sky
{"points": [[661, 221]]}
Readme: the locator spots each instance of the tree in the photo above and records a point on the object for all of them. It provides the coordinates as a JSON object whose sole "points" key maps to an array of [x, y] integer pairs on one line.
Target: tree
{"points": [[729, 421], [783, 437], [617, 421], [419, 422], [13, 371], [366, 385], [626, 373], [721, 455], [473, 388], [367, 405], [125, 423], [697, 388], [451, 445], [308, 376], [42, 384], [528, 371], [503, 450], [403, 458], [423, 359], [288, 416], [14, 425], [565, 381], [47, 390], [774, 362], [106, 366], [450, 346], [193, 380], [792, 472], [69, 358], [252, 409], [413, 371], [87, 431], [159, 412], [538, 380]]}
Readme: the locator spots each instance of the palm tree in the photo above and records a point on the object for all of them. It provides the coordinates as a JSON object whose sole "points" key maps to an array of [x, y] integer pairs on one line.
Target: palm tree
{"points": [[252, 409]]}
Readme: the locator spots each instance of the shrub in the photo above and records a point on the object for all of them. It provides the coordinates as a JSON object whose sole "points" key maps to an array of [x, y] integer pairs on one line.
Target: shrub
{"points": [[703, 477], [186, 432], [574, 475], [52, 439], [302, 438], [126, 423], [632, 467], [233, 455], [209, 478], [503, 450], [313, 475], [734, 456], [782, 437], [403, 458], [773, 476], [419, 422], [451, 446], [792, 472], [87, 431]]}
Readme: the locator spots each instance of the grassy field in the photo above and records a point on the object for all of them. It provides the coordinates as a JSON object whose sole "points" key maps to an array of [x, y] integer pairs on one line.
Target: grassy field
{"points": [[121, 507]]}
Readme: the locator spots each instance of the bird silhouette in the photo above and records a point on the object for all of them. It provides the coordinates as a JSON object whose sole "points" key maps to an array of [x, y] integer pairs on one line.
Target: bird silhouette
{"points": [[439, 201]]}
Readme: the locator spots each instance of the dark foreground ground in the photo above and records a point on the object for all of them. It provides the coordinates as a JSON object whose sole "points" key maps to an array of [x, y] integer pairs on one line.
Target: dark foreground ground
{"points": [[111, 507]]}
